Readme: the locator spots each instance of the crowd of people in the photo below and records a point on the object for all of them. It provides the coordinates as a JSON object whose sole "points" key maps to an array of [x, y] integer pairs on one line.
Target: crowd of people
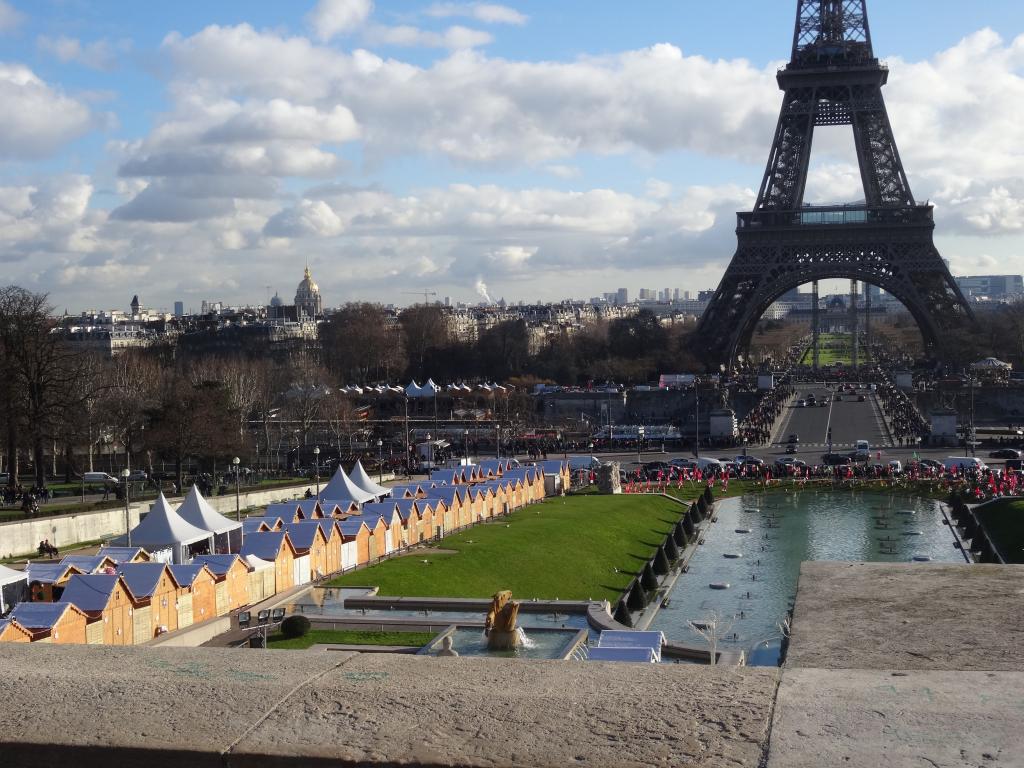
{"points": [[756, 428], [29, 499], [907, 424]]}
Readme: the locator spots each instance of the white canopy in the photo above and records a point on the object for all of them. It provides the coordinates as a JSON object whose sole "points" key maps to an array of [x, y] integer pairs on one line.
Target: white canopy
{"points": [[342, 489], [427, 390], [363, 481], [991, 364], [257, 564], [9, 575], [197, 511], [163, 527]]}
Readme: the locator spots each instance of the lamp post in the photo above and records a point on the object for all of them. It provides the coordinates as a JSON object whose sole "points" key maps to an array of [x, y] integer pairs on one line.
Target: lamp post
{"points": [[497, 441], [380, 462], [126, 473], [316, 469], [639, 441], [465, 444], [238, 506], [430, 453]]}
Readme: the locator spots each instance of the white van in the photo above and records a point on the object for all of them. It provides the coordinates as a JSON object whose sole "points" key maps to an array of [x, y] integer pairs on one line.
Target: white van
{"points": [[964, 464], [576, 463], [98, 477], [863, 450], [705, 464]]}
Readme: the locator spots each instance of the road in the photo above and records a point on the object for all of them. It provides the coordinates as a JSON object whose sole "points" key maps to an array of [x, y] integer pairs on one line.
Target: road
{"points": [[849, 419]]}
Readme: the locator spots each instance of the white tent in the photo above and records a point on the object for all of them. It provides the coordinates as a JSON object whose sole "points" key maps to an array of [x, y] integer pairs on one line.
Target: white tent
{"points": [[227, 534], [13, 588], [991, 364], [163, 527], [363, 481], [342, 489]]}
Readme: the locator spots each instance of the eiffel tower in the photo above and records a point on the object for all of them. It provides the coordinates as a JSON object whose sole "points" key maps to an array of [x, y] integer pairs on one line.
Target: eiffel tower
{"points": [[833, 78]]}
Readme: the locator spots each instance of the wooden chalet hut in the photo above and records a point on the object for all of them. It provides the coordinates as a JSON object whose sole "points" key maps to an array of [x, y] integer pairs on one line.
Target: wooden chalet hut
{"points": [[13, 632], [59, 623], [91, 563], [197, 593], [331, 562], [310, 542], [109, 605], [451, 508], [126, 554], [277, 548], [412, 526], [287, 511], [153, 585], [262, 576], [46, 581], [380, 535], [389, 511], [355, 543], [232, 575]]}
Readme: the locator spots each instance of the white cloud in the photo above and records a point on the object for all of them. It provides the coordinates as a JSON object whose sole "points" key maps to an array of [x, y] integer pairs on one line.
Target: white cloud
{"points": [[563, 171], [99, 54], [10, 17], [335, 17], [489, 13], [38, 118], [454, 38]]}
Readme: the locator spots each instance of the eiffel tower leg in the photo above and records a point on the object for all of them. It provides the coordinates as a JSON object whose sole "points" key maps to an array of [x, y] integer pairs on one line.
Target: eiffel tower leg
{"points": [[867, 323], [853, 323]]}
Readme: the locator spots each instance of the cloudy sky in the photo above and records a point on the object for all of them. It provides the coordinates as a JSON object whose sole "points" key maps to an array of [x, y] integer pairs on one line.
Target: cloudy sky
{"points": [[196, 150]]}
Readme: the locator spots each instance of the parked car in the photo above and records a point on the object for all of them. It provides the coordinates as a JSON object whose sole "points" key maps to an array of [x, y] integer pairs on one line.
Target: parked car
{"points": [[895, 467], [836, 459], [1005, 453], [750, 460], [98, 477], [138, 476], [930, 463]]}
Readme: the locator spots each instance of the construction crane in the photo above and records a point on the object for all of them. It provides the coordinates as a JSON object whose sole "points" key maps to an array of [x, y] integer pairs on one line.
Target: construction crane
{"points": [[425, 294]]}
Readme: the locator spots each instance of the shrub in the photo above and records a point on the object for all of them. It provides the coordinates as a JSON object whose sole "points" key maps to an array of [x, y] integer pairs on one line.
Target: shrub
{"points": [[295, 626]]}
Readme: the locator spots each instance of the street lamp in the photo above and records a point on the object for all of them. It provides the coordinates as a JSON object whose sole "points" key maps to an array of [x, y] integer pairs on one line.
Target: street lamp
{"points": [[497, 441], [430, 452], [238, 507], [465, 444], [639, 441], [380, 461], [126, 473], [316, 470]]}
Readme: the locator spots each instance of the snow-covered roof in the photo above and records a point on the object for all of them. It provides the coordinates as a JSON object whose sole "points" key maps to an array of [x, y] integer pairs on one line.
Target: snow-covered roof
{"points": [[197, 511], [342, 490], [163, 527], [363, 481]]}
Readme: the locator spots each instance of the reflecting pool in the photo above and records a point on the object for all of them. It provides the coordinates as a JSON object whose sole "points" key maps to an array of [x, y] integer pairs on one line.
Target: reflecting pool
{"points": [[550, 644], [748, 566]]}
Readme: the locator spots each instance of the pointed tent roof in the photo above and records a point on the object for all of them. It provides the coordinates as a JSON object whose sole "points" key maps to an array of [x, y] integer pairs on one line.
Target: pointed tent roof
{"points": [[9, 575], [341, 489], [163, 527], [197, 511], [363, 480]]}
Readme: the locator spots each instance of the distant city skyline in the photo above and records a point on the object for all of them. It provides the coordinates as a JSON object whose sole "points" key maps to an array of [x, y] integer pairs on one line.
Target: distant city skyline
{"points": [[190, 152]]}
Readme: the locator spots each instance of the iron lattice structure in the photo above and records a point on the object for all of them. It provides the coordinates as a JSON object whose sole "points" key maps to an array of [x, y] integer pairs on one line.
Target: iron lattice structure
{"points": [[833, 78]]}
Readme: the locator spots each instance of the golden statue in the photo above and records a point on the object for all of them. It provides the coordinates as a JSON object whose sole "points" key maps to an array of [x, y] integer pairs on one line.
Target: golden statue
{"points": [[500, 627]]}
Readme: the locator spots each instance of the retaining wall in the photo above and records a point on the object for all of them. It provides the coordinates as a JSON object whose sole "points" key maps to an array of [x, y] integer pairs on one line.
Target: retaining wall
{"points": [[23, 536]]}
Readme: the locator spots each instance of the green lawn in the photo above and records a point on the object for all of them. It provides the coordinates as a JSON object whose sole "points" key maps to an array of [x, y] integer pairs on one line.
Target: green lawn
{"points": [[834, 348], [1004, 520], [349, 637], [577, 548]]}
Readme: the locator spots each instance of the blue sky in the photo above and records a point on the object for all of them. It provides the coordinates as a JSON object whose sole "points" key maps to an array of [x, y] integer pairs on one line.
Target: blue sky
{"points": [[198, 150]]}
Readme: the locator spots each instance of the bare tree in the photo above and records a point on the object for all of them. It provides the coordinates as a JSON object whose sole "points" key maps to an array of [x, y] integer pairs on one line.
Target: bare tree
{"points": [[303, 401], [131, 392], [713, 627]]}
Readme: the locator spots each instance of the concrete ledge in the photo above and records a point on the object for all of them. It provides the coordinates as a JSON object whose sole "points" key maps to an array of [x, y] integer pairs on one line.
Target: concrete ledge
{"points": [[908, 616], [197, 634], [99, 706], [897, 720]]}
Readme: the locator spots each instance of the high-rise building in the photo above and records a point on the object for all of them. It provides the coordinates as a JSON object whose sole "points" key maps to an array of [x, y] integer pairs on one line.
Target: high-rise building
{"points": [[991, 286], [622, 296], [675, 294], [179, 309]]}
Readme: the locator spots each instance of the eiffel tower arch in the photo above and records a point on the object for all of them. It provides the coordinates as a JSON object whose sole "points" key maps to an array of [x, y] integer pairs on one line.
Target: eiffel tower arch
{"points": [[833, 78]]}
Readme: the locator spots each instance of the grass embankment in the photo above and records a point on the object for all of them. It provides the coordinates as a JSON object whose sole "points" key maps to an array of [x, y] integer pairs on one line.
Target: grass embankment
{"points": [[577, 548], [349, 637], [1004, 521]]}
